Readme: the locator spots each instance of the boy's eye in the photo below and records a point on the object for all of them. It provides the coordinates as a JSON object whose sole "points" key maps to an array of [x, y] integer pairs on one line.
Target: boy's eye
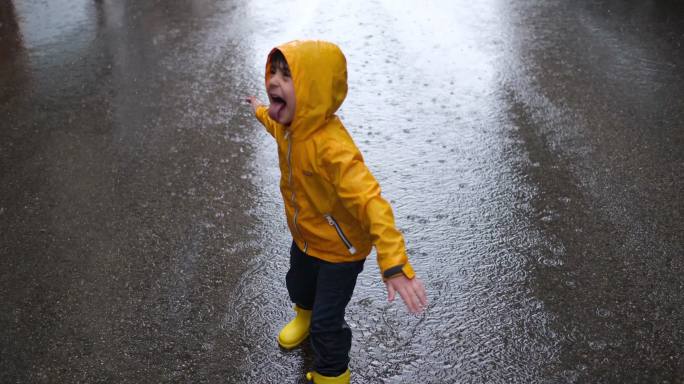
{"points": [[285, 72]]}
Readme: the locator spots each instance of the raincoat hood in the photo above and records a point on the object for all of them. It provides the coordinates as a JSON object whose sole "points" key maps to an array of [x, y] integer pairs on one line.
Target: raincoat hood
{"points": [[319, 74]]}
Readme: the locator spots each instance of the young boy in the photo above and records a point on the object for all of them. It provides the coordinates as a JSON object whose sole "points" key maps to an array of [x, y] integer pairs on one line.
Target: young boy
{"points": [[332, 203]]}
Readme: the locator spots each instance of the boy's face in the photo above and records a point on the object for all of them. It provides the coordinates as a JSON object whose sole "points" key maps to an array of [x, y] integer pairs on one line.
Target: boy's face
{"points": [[281, 94]]}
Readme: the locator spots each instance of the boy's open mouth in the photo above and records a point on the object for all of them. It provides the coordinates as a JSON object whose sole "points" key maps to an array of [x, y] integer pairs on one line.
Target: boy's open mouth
{"points": [[276, 107]]}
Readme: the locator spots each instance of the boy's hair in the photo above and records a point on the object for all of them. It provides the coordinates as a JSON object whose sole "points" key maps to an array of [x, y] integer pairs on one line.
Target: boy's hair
{"points": [[278, 62]]}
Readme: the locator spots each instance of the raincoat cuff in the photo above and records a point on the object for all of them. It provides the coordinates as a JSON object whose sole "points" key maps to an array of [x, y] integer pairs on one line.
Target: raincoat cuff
{"points": [[405, 269], [260, 112]]}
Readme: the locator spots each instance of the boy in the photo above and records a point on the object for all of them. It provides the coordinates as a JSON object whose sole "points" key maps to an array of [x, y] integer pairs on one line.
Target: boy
{"points": [[332, 203]]}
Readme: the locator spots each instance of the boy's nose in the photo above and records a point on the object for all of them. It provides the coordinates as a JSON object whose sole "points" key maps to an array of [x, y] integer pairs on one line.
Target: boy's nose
{"points": [[273, 81]]}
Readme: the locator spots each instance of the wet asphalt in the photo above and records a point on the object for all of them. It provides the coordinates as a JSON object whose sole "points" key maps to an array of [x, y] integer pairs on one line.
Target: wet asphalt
{"points": [[533, 152]]}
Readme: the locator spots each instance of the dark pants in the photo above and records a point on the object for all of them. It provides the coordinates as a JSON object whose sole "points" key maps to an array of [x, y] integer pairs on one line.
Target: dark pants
{"points": [[326, 288]]}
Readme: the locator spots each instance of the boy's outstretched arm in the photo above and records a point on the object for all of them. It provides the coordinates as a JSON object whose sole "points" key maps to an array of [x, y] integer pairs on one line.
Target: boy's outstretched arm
{"points": [[412, 291], [261, 112], [360, 194], [254, 102]]}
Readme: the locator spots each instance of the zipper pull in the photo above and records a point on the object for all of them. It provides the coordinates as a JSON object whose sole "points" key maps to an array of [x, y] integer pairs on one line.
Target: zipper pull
{"points": [[330, 220]]}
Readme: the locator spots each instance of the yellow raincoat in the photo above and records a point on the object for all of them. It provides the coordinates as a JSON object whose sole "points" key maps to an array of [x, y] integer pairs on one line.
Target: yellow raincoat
{"points": [[332, 202]]}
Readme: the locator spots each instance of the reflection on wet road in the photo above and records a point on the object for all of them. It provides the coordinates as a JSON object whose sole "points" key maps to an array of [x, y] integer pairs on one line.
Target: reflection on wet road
{"points": [[532, 152]]}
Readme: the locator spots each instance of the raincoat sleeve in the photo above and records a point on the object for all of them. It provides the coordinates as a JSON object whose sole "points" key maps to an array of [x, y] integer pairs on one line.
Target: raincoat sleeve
{"points": [[360, 194], [265, 120]]}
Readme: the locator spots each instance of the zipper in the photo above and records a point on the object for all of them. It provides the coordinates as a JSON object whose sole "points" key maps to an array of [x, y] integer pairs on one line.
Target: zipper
{"points": [[347, 243], [292, 197]]}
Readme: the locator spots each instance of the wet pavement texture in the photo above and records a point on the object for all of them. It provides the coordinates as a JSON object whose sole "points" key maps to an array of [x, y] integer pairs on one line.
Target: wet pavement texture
{"points": [[533, 152]]}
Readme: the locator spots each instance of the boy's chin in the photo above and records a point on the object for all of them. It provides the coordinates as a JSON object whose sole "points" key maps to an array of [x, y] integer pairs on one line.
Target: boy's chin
{"points": [[278, 116], [283, 121], [276, 113]]}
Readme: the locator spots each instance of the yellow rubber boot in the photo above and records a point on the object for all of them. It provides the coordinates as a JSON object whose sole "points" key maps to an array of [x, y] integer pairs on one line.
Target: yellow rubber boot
{"points": [[294, 332], [317, 378]]}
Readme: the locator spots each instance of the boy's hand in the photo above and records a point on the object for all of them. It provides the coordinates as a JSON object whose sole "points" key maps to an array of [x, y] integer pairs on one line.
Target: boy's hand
{"points": [[256, 103], [412, 291]]}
